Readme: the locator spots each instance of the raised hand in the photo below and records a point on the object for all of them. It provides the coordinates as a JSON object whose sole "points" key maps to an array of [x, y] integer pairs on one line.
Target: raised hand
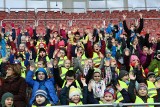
{"points": [[124, 17], [49, 65], [32, 67], [107, 63], [83, 80], [119, 88], [68, 83], [132, 76], [140, 14]]}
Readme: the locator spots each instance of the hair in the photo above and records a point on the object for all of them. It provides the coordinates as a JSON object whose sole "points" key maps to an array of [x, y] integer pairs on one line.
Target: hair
{"points": [[16, 69], [70, 73]]}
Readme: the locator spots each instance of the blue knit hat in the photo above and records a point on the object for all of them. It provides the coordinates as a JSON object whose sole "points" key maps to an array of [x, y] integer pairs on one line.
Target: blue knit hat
{"points": [[41, 70]]}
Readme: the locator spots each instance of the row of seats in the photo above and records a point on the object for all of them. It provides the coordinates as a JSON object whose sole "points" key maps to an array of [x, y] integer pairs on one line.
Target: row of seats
{"points": [[80, 20]]}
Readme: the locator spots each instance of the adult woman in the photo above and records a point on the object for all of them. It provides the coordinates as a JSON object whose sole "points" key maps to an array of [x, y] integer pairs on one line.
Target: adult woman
{"points": [[15, 84]]}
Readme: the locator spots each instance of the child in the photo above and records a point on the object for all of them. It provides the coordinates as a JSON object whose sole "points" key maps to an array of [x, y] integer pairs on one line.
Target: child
{"points": [[74, 94], [41, 82], [7, 100], [41, 99], [97, 84]]}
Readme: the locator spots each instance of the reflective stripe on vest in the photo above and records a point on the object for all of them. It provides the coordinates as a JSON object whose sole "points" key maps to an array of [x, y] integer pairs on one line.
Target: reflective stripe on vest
{"points": [[73, 104], [119, 95], [64, 71], [23, 70], [139, 100], [61, 61], [152, 91], [96, 59]]}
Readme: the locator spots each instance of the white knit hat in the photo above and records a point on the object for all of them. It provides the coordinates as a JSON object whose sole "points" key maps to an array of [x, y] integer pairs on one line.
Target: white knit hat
{"points": [[74, 91]]}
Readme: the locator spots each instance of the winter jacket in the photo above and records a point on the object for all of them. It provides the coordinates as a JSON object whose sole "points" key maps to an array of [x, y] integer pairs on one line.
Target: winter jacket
{"points": [[16, 86], [49, 84]]}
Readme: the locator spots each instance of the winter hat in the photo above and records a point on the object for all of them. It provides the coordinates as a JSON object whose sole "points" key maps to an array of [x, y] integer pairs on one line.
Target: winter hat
{"points": [[108, 52], [97, 70], [150, 73], [158, 78], [42, 49], [123, 73], [61, 43], [73, 91], [41, 92], [133, 57], [142, 85], [4, 97], [41, 70], [111, 91]]}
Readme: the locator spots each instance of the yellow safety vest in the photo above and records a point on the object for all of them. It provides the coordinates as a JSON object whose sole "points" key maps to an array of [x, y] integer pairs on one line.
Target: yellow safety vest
{"points": [[151, 89], [0, 60], [157, 71], [143, 73], [61, 61], [83, 58], [23, 72], [64, 71], [139, 100], [119, 95], [73, 104], [48, 105], [96, 59], [77, 84]]}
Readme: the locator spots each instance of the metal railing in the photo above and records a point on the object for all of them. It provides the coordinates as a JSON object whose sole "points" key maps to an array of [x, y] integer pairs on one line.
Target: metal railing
{"points": [[114, 105], [85, 9]]}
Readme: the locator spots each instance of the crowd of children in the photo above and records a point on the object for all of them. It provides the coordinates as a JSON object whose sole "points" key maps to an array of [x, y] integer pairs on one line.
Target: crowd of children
{"points": [[108, 64]]}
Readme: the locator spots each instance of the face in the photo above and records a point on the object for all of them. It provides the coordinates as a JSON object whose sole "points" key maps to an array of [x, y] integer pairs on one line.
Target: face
{"points": [[41, 46], [21, 47], [80, 50], [108, 98], [9, 102], [40, 64], [10, 72], [42, 53], [67, 63], [145, 50], [125, 78], [77, 37], [70, 79], [152, 78], [142, 91], [96, 77], [55, 34], [40, 99], [132, 27], [62, 53], [41, 76], [75, 98], [96, 48], [90, 63]]}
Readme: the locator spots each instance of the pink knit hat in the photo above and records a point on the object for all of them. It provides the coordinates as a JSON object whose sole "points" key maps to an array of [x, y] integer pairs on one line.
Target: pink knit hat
{"points": [[61, 43], [133, 57]]}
